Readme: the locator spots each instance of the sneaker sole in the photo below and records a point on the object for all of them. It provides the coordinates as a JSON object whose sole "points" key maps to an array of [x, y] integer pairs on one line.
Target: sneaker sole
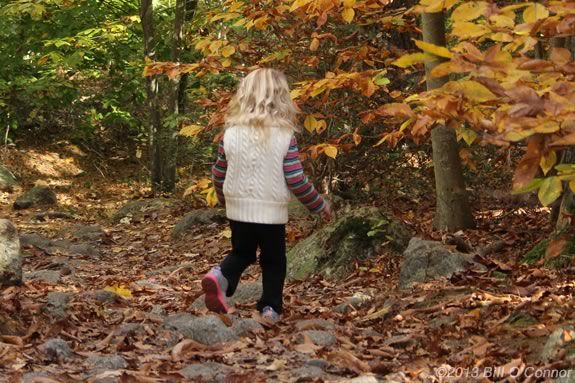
{"points": [[214, 298]]}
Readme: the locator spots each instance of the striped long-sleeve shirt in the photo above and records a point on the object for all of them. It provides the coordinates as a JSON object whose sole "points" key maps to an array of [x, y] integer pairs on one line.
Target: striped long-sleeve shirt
{"points": [[296, 180]]}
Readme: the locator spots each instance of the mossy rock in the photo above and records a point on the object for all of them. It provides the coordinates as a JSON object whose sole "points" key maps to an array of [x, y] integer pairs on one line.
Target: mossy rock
{"points": [[38, 195], [138, 210], [358, 234], [7, 179], [537, 253]]}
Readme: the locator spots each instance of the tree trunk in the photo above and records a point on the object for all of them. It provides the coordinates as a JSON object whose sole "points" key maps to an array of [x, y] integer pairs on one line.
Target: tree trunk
{"points": [[452, 211], [155, 120], [190, 11]]}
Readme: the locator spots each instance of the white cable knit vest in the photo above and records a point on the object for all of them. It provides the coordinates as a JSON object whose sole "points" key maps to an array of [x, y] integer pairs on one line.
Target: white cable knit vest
{"points": [[255, 188]]}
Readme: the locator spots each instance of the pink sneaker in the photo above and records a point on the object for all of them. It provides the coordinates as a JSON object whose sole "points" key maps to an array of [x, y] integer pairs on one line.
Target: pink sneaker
{"points": [[214, 285]]}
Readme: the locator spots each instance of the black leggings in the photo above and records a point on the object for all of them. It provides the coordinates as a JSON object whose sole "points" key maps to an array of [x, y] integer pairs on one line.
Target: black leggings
{"points": [[246, 237]]}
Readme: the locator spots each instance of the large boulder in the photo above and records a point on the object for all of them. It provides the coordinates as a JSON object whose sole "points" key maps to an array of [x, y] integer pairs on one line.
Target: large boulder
{"points": [[200, 216], [38, 195], [358, 234], [7, 179], [10, 257], [424, 261]]}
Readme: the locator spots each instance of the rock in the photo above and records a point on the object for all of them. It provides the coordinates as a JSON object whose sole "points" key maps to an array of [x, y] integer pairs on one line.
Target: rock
{"points": [[318, 337], [86, 233], [200, 216], [320, 363], [10, 257], [37, 376], [7, 180], [130, 329], [158, 310], [107, 362], [315, 324], [57, 304], [36, 240], [207, 371], [83, 249], [424, 261], [561, 339], [207, 330], [358, 234], [58, 246], [104, 296], [48, 276], [56, 350], [357, 301], [138, 210], [246, 327], [38, 195], [308, 372], [246, 293]]}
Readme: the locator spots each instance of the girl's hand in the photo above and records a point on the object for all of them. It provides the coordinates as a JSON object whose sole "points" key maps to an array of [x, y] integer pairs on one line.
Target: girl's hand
{"points": [[326, 213]]}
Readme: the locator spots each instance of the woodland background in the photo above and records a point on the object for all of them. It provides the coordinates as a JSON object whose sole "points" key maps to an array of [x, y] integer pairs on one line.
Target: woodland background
{"points": [[441, 131]]}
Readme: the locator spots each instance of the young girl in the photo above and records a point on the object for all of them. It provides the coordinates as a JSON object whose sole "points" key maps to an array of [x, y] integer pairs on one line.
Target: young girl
{"points": [[257, 167]]}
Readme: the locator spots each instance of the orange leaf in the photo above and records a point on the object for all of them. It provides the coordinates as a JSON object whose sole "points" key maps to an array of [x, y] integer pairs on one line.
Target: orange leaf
{"points": [[555, 247], [528, 167]]}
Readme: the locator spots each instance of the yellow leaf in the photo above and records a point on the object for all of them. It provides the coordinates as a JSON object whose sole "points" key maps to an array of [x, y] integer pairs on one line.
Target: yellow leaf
{"points": [[515, 135], [433, 6], [121, 290], [348, 3], [348, 14], [472, 90], [469, 11], [310, 123], [226, 233], [330, 151], [442, 69], [432, 48], [412, 59], [228, 50], [226, 63], [501, 21], [405, 124], [298, 4], [548, 127], [468, 135], [314, 45], [548, 161], [321, 126], [466, 30], [356, 139], [190, 130], [261, 22], [572, 185], [202, 44], [211, 197], [501, 37], [550, 190], [295, 93], [535, 12]]}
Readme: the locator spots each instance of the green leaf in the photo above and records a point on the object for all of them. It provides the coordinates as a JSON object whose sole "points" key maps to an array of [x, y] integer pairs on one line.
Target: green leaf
{"points": [[534, 184], [550, 190]]}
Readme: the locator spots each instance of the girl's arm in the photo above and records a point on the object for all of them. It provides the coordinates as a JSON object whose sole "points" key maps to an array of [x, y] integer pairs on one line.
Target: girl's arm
{"points": [[298, 183], [219, 172]]}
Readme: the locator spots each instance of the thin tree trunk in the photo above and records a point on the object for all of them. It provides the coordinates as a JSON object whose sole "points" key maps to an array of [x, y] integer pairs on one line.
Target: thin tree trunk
{"points": [[190, 11], [155, 121], [453, 211]]}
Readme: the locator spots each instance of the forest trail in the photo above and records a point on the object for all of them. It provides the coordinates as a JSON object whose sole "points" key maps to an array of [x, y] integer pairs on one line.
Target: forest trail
{"points": [[119, 300]]}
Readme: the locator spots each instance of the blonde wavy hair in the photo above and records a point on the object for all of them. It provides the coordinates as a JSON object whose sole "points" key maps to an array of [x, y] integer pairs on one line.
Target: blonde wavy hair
{"points": [[262, 101]]}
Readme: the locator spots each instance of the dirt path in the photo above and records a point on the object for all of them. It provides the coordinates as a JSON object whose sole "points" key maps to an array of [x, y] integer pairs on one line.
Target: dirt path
{"points": [[120, 301]]}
